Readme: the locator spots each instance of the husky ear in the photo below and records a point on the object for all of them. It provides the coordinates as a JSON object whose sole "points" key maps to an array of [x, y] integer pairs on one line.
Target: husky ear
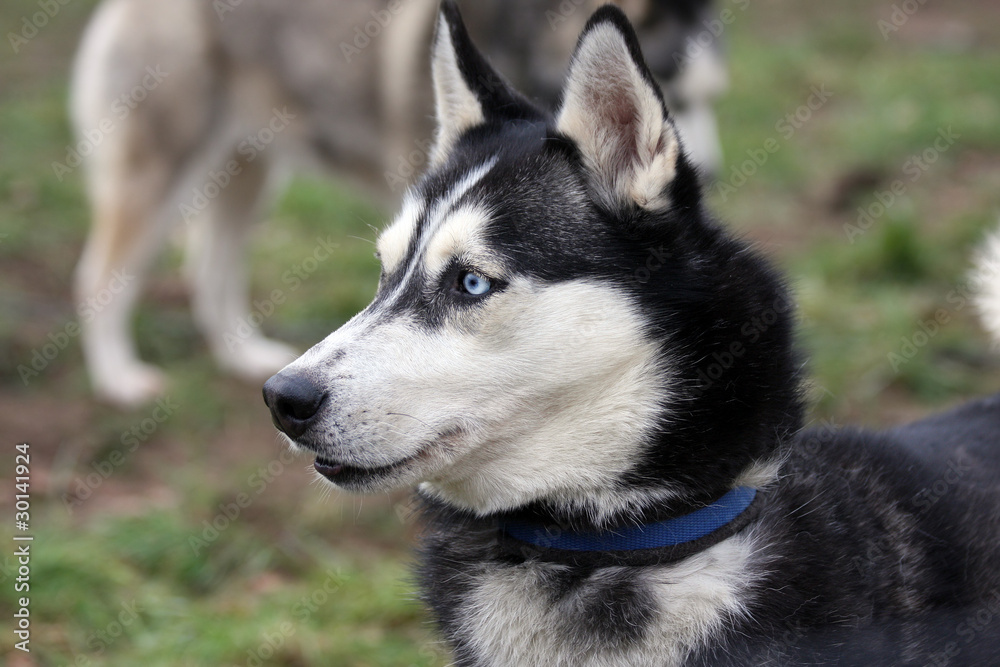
{"points": [[614, 111], [467, 91]]}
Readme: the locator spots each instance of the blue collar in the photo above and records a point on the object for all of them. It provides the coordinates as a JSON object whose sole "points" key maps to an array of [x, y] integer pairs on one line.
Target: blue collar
{"points": [[670, 533]]}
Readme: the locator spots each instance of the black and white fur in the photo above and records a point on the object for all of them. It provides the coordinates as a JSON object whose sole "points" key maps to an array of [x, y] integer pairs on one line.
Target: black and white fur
{"points": [[573, 390]]}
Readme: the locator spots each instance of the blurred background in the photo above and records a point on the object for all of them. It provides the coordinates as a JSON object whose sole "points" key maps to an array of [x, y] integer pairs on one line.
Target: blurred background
{"points": [[860, 148]]}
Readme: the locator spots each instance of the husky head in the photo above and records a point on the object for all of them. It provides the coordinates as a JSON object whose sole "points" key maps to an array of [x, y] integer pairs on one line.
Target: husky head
{"points": [[557, 324]]}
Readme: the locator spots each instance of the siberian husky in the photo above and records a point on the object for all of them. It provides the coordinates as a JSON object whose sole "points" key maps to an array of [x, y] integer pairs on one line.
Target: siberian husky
{"points": [[194, 110], [595, 386]]}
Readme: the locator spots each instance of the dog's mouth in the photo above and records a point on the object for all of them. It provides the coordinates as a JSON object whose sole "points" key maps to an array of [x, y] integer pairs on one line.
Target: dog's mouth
{"points": [[354, 477], [346, 475]]}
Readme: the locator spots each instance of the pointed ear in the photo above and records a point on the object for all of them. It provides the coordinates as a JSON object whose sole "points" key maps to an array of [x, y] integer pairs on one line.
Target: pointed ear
{"points": [[467, 90], [614, 111]]}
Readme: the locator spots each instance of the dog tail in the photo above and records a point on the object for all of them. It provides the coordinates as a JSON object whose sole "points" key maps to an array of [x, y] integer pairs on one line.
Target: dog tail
{"points": [[986, 284]]}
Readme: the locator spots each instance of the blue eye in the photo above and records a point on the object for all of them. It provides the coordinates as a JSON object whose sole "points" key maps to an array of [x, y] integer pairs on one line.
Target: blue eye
{"points": [[475, 285]]}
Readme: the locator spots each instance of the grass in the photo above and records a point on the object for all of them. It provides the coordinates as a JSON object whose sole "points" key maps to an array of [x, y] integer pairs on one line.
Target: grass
{"points": [[158, 601], [299, 577]]}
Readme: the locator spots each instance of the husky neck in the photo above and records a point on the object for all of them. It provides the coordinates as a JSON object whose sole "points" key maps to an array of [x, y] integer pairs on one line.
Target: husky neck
{"points": [[615, 507]]}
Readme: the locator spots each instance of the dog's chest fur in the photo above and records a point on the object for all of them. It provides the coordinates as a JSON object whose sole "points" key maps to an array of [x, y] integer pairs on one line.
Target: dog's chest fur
{"points": [[496, 611]]}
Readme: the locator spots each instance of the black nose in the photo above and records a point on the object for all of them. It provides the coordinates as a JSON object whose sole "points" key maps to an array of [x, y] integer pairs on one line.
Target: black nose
{"points": [[294, 401]]}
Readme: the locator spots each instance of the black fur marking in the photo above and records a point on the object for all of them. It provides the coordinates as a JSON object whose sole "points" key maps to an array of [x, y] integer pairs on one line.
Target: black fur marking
{"points": [[498, 99], [863, 571], [602, 608]]}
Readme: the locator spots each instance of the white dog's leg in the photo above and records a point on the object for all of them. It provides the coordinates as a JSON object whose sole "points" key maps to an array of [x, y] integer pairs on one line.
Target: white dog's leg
{"points": [[219, 282], [126, 234]]}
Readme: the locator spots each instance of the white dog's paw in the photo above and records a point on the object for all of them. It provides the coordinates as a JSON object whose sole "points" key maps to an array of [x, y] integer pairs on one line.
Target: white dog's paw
{"points": [[131, 386], [257, 358]]}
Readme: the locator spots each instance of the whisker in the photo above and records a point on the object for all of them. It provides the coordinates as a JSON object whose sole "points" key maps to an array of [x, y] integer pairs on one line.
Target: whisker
{"points": [[403, 414]]}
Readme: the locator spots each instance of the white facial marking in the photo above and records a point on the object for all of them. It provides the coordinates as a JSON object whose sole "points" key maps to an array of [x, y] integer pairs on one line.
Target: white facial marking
{"points": [[459, 235], [395, 239], [567, 389]]}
